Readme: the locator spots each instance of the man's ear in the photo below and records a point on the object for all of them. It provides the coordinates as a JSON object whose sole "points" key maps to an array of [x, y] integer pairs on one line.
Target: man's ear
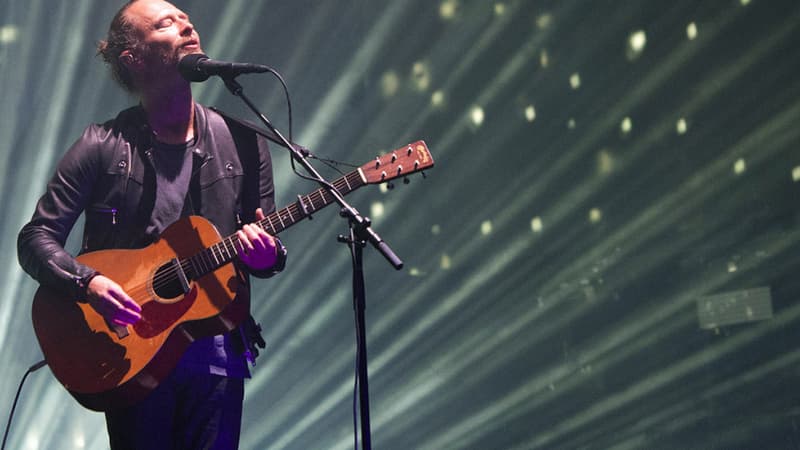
{"points": [[128, 59]]}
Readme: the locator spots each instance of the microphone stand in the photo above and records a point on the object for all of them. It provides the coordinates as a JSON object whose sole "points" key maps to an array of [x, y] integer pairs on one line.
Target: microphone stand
{"points": [[360, 233]]}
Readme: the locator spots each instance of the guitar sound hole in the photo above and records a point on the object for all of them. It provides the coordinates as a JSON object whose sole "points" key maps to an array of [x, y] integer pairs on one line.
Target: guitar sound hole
{"points": [[166, 283]]}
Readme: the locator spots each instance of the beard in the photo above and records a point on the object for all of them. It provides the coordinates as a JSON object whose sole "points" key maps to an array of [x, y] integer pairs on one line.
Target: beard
{"points": [[160, 64], [158, 57], [163, 55]]}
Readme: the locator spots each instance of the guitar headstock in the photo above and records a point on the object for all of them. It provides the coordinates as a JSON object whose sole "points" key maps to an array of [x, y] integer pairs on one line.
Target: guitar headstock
{"points": [[403, 161]]}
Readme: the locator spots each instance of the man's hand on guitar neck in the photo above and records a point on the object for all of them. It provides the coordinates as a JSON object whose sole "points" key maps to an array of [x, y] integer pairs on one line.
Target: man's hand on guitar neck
{"points": [[110, 301], [259, 248]]}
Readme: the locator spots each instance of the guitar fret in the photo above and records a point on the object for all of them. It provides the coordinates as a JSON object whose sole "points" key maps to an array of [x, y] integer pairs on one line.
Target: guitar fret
{"points": [[214, 250], [196, 264], [212, 257], [312, 200], [189, 268], [357, 180], [310, 204], [297, 212], [201, 267], [230, 246], [195, 273], [347, 183], [222, 253], [281, 220], [207, 261], [215, 254]]}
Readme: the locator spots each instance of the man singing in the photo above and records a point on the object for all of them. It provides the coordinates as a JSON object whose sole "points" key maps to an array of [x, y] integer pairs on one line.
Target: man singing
{"points": [[157, 162]]}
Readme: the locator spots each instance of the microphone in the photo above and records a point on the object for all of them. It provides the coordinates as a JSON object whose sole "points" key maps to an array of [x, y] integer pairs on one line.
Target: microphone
{"points": [[198, 67]]}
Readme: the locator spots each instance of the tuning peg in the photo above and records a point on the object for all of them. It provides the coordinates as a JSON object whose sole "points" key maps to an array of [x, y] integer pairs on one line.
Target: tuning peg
{"points": [[390, 185], [423, 174], [406, 180]]}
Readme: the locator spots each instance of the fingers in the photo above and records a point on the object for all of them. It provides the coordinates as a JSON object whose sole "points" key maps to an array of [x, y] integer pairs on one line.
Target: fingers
{"points": [[251, 237], [119, 313], [112, 302], [257, 246], [115, 312], [126, 309]]}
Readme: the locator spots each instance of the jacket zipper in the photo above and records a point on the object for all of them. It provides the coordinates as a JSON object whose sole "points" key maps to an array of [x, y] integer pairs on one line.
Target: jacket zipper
{"points": [[112, 211]]}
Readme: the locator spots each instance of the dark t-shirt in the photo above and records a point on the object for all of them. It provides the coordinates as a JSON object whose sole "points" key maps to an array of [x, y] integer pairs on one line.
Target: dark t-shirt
{"points": [[173, 168]]}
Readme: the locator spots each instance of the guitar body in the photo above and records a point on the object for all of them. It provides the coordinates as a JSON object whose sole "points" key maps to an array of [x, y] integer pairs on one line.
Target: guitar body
{"points": [[104, 368]]}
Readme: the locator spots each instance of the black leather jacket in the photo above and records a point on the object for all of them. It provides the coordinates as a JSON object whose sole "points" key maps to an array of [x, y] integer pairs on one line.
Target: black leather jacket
{"points": [[108, 173]]}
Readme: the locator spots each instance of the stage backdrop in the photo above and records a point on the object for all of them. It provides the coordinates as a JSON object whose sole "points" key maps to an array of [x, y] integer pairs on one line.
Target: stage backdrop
{"points": [[605, 255]]}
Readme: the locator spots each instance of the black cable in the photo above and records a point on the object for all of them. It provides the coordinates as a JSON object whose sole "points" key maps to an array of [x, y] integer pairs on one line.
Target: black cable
{"points": [[289, 110], [288, 99], [30, 370], [328, 162]]}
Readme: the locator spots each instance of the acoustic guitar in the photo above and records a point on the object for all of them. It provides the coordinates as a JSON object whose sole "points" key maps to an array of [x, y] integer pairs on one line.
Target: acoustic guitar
{"points": [[188, 288]]}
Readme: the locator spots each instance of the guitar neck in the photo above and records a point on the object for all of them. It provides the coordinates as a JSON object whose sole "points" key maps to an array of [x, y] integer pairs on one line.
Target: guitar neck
{"points": [[400, 162], [309, 204], [226, 250]]}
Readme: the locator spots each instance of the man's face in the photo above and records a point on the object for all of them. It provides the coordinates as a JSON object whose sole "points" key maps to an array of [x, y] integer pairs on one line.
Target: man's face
{"points": [[165, 32]]}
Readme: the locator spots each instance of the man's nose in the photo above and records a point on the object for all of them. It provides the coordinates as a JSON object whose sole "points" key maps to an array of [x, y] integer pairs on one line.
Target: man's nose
{"points": [[187, 28]]}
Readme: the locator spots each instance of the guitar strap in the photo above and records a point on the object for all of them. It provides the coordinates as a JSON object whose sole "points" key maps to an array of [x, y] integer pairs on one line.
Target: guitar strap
{"points": [[246, 143]]}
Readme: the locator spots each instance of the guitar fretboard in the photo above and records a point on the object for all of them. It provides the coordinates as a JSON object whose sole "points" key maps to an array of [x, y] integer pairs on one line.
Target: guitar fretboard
{"points": [[223, 252]]}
